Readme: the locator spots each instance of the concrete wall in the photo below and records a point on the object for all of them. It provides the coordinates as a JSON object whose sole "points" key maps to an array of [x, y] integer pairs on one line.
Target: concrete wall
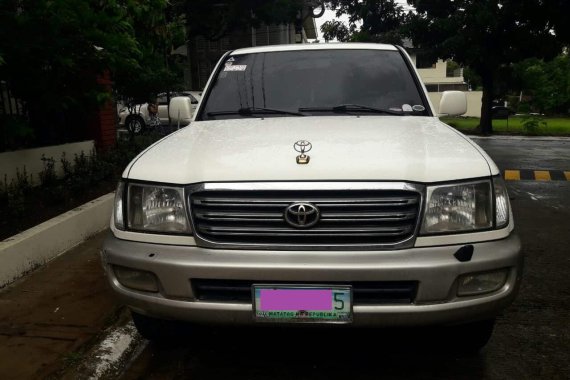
{"points": [[31, 159], [437, 74], [32, 248], [473, 102]]}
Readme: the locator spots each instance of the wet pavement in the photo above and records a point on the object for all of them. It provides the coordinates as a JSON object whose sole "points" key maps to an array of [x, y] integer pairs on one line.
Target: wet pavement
{"points": [[49, 315], [531, 338]]}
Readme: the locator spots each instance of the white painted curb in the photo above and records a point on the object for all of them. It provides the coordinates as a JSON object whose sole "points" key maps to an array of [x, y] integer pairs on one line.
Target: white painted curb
{"points": [[32, 248]]}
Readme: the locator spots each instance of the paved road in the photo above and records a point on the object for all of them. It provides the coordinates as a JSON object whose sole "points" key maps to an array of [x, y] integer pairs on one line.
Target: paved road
{"points": [[531, 340]]}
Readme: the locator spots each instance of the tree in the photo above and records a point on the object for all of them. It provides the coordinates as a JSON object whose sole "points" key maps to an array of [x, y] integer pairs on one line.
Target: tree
{"points": [[158, 30], [54, 50], [215, 19], [548, 83], [336, 30], [368, 21], [487, 36], [63, 45]]}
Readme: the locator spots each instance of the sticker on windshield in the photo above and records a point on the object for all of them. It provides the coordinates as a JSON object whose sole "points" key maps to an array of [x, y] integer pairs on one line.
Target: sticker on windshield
{"points": [[418, 108], [235, 67], [407, 108]]}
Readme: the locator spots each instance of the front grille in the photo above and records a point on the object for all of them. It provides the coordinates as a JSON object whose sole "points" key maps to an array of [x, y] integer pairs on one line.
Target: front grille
{"points": [[363, 292], [347, 217]]}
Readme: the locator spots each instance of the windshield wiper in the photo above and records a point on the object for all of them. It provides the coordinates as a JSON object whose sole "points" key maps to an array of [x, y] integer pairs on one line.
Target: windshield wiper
{"points": [[343, 108], [248, 111]]}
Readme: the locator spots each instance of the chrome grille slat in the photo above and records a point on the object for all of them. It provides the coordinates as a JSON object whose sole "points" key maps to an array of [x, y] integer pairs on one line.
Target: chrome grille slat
{"points": [[325, 217], [255, 218], [395, 200], [308, 232]]}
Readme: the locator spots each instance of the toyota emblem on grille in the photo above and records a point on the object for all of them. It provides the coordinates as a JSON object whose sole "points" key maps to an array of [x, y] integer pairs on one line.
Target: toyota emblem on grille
{"points": [[302, 215]]}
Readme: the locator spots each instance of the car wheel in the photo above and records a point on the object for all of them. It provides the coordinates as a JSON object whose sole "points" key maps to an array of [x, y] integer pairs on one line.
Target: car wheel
{"points": [[135, 124], [158, 330], [472, 337]]}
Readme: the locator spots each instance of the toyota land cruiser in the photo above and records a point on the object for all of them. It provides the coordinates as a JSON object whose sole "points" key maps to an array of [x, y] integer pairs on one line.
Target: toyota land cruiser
{"points": [[315, 184]]}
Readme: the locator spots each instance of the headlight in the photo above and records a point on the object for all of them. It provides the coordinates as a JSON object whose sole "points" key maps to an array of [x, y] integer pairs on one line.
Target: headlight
{"points": [[119, 206], [458, 208], [501, 202], [156, 209]]}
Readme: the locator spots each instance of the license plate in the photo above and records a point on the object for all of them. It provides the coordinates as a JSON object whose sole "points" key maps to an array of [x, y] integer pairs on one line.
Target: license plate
{"points": [[281, 303]]}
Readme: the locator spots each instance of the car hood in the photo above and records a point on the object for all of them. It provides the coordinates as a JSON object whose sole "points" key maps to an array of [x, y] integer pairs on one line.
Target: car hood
{"points": [[377, 148]]}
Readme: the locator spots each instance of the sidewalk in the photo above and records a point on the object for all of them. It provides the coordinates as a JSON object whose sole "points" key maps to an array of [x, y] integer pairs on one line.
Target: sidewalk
{"points": [[49, 314]]}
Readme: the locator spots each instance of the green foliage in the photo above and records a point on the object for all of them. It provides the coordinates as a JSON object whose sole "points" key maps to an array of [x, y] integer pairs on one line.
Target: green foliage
{"points": [[157, 31], [547, 83], [523, 107], [556, 126], [48, 176], [15, 131], [61, 46], [368, 21], [532, 124], [13, 196], [336, 29], [53, 52], [473, 79], [487, 35], [85, 174], [214, 21], [451, 67]]}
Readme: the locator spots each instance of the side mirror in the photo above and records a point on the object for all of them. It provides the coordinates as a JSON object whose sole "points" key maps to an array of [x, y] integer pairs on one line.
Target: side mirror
{"points": [[180, 111], [453, 103]]}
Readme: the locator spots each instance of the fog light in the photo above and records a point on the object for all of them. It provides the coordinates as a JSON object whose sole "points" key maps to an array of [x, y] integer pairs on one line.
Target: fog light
{"points": [[479, 283], [136, 279]]}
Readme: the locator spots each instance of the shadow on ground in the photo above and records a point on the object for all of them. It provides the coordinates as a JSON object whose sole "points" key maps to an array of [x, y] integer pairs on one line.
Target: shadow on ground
{"points": [[276, 353]]}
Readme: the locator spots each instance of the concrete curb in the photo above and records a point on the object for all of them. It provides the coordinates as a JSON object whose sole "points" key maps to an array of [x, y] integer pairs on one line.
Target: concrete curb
{"points": [[32, 248]]}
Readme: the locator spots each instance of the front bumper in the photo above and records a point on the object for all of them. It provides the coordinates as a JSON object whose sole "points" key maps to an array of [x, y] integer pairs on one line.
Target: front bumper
{"points": [[434, 268]]}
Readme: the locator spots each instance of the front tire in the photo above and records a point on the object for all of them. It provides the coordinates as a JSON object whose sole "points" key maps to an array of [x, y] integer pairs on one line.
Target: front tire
{"points": [[135, 124]]}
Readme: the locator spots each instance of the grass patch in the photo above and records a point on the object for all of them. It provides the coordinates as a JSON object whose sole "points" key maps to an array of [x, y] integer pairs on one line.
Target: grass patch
{"points": [[555, 126]]}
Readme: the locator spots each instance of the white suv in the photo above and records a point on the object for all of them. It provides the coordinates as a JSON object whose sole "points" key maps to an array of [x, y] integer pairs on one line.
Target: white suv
{"points": [[137, 121], [316, 184]]}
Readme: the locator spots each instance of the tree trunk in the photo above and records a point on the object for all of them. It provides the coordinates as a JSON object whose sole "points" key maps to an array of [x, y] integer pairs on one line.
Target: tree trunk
{"points": [[486, 122]]}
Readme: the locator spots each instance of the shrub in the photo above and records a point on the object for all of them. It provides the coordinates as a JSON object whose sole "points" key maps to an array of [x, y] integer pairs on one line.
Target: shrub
{"points": [[85, 174], [532, 124], [47, 175]]}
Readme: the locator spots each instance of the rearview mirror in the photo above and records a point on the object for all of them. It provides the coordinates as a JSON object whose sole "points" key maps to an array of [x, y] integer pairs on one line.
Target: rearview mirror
{"points": [[453, 103], [180, 111]]}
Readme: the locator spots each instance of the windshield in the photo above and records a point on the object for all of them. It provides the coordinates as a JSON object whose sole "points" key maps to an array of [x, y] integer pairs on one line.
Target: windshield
{"points": [[313, 82]]}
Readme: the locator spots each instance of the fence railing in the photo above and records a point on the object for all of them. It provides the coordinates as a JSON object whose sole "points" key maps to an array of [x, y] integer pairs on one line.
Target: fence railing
{"points": [[9, 104]]}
